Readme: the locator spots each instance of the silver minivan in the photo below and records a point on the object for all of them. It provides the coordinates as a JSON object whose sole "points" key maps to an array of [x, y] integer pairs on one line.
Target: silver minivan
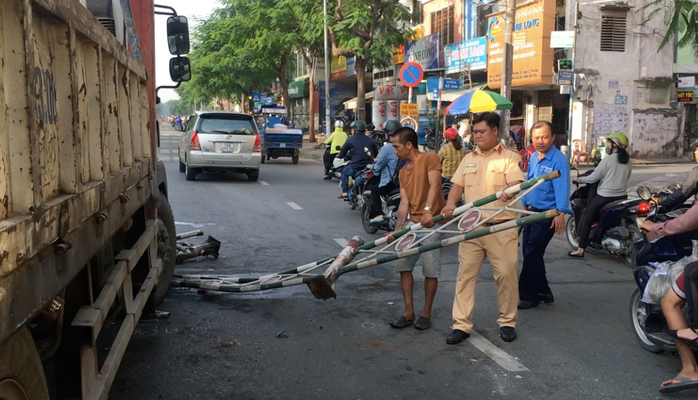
{"points": [[220, 141]]}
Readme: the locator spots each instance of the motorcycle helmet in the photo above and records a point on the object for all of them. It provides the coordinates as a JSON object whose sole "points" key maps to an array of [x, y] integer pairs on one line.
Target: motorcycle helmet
{"points": [[619, 139], [359, 126], [391, 126], [451, 134], [339, 124]]}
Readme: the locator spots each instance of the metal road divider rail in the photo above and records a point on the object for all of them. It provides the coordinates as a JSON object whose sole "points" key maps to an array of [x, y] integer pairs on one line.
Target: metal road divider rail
{"points": [[467, 223]]}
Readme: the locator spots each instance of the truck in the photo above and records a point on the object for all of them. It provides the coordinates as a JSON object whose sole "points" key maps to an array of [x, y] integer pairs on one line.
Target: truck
{"points": [[87, 236]]}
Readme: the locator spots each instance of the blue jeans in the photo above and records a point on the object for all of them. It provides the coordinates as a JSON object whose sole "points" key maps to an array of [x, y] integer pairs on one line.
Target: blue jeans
{"points": [[346, 173], [533, 281]]}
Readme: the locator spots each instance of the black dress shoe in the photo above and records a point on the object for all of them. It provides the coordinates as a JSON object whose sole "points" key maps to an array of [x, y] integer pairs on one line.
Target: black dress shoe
{"points": [[546, 298], [525, 305], [456, 336], [507, 333]]}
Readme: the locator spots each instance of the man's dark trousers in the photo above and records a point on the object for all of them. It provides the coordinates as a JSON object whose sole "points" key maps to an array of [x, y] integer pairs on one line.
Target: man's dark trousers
{"points": [[532, 281]]}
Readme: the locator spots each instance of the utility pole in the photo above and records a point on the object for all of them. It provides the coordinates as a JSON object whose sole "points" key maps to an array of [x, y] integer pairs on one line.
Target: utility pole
{"points": [[328, 122], [575, 17], [508, 56]]}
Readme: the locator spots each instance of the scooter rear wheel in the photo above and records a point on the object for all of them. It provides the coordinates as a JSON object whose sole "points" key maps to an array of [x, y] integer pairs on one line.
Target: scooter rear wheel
{"points": [[366, 219], [638, 316], [571, 232]]}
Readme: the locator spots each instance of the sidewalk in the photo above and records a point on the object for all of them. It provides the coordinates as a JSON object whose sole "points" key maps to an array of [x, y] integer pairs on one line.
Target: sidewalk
{"points": [[313, 151], [656, 161]]}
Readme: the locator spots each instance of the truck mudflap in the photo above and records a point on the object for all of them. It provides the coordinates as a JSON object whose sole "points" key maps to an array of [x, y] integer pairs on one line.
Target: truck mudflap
{"points": [[95, 381]]}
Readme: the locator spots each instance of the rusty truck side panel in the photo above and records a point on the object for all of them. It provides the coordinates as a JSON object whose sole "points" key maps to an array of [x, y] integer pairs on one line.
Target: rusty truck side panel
{"points": [[75, 146]]}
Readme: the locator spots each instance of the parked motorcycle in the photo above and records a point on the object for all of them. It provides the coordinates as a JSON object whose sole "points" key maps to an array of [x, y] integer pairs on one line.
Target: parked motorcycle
{"points": [[617, 227], [434, 141], [647, 320]]}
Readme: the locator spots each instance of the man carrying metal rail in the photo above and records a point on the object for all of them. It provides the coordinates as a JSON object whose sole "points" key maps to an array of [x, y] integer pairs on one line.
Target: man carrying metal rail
{"points": [[488, 169]]}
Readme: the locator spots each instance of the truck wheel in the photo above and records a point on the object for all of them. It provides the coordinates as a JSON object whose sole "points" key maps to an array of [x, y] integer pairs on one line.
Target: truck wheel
{"points": [[22, 376], [167, 245], [295, 159]]}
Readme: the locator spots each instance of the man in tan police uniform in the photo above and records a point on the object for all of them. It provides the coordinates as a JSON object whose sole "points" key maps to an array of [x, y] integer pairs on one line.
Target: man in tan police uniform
{"points": [[488, 169]]}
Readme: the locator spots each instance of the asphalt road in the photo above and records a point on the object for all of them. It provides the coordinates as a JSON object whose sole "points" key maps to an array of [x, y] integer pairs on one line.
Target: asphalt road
{"points": [[225, 346]]}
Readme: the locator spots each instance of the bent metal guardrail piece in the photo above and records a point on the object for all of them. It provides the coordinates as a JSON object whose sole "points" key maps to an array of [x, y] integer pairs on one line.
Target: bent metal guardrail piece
{"points": [[466, 218]]}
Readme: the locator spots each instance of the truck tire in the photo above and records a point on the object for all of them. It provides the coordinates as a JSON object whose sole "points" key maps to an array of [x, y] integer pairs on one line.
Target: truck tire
{"points": [[22, 376], [167, 245], [295, 159]]}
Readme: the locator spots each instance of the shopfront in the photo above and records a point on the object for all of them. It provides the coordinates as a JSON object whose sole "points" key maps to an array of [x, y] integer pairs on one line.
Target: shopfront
{"points": [[298, 93], [533, 93]]}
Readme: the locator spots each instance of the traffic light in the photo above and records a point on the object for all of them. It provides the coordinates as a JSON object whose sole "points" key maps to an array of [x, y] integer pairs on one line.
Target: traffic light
{"points": [[564, 64], [249, 97]]}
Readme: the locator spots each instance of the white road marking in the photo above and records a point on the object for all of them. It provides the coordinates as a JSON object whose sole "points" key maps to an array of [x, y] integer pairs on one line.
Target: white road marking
{"points": [[497, 355], [264, 183], [294, 206], [193, 225], [342, 242]]}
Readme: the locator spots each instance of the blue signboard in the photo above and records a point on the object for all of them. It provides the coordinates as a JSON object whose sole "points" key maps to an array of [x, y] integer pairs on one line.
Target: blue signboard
{"points": [[424, 51], [449, 84], [565, 77], [471, 53], [621, 99], [256, 97], [266, 100], [435, 93]]}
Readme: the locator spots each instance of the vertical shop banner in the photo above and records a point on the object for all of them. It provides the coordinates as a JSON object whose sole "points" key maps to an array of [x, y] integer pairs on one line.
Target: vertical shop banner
{"points": [[351, 67], [533, 61], [469, 54], [424, 52]]}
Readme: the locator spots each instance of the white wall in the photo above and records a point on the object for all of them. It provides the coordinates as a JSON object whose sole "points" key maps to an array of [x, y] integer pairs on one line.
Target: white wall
{"points": [[640, 73]]}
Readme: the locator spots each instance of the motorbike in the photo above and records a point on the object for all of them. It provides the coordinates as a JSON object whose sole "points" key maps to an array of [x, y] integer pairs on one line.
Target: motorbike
{"points": [[617, 228], [338, 165], [379, 137], [647, 320], [357, 185], [389, 205], [434, 142]]}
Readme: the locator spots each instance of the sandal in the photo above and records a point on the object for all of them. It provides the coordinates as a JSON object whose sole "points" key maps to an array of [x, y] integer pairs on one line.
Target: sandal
{"points": [[343, 196], [423, 323], [401, 322], [575, 255], [377, 220], [686, 383]]}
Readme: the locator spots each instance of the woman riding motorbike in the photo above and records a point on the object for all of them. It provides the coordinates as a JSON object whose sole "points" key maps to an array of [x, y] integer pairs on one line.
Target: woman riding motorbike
{"points": [[684, 291], [334, 144], [612, 174], [688, 188]]}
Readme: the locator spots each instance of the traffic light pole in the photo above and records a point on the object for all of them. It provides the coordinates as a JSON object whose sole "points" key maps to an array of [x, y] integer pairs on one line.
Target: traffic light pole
{"points": [[570, 151]]}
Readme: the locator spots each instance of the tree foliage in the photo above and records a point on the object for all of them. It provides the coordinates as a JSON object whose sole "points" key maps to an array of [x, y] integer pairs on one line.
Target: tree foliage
{"points": [[681, 18], [368, 29]]}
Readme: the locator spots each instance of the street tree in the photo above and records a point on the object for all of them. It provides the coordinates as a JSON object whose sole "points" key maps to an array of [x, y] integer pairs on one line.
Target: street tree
{"points": [[368, 29], [307, 37], [681, 18]]}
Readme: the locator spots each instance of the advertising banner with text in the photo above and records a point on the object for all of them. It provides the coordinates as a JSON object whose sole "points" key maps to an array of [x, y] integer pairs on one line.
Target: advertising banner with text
{"points": [[533, 58]]}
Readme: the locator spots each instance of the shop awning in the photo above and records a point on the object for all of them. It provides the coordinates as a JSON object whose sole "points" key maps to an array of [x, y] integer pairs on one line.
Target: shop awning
{"points": [[450, 95], [351, 103]]}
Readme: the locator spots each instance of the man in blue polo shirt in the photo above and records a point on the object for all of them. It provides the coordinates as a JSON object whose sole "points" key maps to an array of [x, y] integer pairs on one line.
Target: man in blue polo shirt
{"points": [[533, 285]]}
